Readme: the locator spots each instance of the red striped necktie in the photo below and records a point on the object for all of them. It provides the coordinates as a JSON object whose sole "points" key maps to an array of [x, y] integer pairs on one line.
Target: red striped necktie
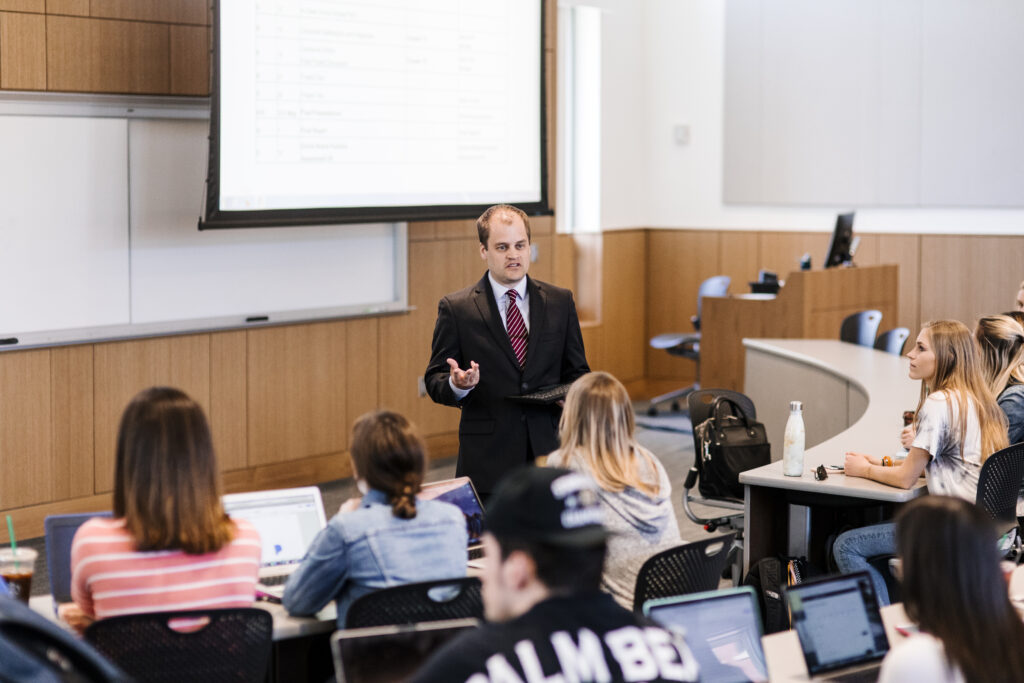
{"points": [[516, 327]]}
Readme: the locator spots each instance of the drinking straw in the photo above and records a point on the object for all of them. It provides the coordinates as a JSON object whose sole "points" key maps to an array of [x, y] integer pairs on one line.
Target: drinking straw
{"points": [[14, 541]]}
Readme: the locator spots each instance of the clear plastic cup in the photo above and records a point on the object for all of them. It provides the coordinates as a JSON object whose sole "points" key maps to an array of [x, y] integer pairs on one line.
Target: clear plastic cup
{"points": [[17, 569]]}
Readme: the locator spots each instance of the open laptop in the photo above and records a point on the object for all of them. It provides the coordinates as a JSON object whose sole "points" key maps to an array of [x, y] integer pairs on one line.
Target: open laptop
{"points": [[461, 493], [60, 532], [839, 626], [288, 520], [722, 629], [384, 654]]}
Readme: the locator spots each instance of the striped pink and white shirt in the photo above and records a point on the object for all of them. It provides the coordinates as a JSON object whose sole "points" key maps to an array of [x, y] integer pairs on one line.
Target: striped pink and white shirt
{"points": [[109, 577]]}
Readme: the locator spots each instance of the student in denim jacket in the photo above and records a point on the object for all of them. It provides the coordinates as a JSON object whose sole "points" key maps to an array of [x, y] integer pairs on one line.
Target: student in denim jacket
{"points": [[385, 538]]}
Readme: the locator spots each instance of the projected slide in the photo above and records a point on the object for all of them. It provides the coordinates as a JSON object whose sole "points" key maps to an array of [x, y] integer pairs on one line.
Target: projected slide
{"points": [[383, 103]]}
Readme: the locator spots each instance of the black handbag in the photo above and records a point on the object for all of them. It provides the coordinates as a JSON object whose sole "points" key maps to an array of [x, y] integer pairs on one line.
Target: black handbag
{"points": [[729, 444]]}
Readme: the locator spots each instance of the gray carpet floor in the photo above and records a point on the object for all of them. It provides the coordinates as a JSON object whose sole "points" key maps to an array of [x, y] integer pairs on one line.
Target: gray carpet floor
{"points": [[667, 435]]}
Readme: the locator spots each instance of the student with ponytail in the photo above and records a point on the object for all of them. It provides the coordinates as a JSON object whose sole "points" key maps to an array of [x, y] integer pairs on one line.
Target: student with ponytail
{"points": [[385, 538], [957, 426], [1001, 339]]}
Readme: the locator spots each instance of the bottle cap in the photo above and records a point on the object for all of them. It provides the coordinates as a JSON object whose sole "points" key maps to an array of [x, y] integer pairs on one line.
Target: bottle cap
{"points": [[796, 405]]}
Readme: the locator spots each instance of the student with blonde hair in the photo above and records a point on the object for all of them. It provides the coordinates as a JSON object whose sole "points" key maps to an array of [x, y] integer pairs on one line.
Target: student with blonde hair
{"points": [[596, 433], [1001, 339], [957, 426]]}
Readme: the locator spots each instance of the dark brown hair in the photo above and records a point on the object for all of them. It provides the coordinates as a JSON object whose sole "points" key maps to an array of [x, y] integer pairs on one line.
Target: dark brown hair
{"points": [[166, 483], [505, 211], [389, 454], [953, 587]]}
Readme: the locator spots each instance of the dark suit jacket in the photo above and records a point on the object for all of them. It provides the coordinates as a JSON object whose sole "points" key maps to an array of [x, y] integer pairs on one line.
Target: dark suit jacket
{"points": [[494, 433]]}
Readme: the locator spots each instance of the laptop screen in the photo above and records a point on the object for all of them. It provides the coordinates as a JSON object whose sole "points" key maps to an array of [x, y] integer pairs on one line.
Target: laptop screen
{"points": [[722, 629], [460, 493], [384, 654], [837, 621], [287, 519]]}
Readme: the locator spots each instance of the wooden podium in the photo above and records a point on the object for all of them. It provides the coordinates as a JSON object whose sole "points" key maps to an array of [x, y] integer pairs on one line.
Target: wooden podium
{"points": [[812, 305]]}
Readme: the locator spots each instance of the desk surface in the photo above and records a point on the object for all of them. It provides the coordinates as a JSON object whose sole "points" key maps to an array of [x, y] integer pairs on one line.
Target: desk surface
{"points": [[285, 626], [882, 377]]}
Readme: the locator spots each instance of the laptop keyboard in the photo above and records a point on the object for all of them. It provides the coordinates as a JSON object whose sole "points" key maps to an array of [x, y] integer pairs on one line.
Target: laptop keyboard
{"points": [[278, 580]]}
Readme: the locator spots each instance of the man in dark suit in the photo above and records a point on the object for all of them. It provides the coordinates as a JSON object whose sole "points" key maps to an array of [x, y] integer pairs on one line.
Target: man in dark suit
{"points": [[489, 344]]}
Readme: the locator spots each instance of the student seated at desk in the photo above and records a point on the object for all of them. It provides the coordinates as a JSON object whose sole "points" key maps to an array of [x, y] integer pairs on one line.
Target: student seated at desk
{"points": [[385, 538], [170, 545], [958, 425], [1001, 339], [969, 629], [596, 433]]}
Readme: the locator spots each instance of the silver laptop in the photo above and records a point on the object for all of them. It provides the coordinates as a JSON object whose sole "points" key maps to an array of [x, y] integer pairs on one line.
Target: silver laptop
{"points": [[722, 629], [839, 626], [288, 520], [461, 493], [384, 654]]}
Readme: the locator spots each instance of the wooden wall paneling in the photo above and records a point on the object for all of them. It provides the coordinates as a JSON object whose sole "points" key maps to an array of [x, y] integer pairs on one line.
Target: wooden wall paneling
{"points": [[190, 60], [80, 52], [297, 392], [71, 400], [565, 263], [834, 294], [26, 429], [624, 311], [228, 392], [594, 345], [405, 339], [22, 51], [36, 6], [362, 367], [461, 229], [739, 258], [677, 262], [73, 7], [419, 231], [905, 252], [168, 11], [588, 248], [122, 369], [781, 251], [28, 521], [965, 277]]}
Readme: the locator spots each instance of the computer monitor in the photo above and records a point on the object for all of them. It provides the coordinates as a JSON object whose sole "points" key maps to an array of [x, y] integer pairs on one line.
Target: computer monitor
{"points": [[840, 247]]}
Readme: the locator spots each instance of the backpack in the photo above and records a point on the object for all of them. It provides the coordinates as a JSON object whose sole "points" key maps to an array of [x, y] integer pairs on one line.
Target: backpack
{"points": [[728, 445], [768, 577], [36, 650]]}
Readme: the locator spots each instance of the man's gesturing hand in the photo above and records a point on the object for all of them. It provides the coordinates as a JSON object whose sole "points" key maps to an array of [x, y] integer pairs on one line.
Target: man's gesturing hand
{"points": [[464, 379]]}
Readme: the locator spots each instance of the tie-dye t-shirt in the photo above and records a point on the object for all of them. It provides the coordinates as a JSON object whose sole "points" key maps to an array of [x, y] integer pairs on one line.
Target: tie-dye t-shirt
{"points": [[937, 432]]}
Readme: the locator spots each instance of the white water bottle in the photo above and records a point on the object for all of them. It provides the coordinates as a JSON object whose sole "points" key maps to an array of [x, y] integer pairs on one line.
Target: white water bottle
{"points": [[793, 444]]}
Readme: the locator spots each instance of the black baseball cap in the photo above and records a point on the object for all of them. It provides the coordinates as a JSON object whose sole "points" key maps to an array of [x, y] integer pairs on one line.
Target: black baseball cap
{"points": [[547, 505]]}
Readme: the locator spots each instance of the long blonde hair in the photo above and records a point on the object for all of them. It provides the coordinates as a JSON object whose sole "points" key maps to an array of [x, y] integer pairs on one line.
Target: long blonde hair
{"points": [[596, 434], [959, 373], [1001, 339]]}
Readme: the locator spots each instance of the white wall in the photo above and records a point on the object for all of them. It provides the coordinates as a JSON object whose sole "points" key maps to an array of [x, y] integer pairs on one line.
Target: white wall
{"points": [[663, 63]]}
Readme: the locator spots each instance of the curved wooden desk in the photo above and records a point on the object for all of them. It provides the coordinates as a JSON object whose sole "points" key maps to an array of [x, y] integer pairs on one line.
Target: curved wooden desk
{"points": [[854, 398]]}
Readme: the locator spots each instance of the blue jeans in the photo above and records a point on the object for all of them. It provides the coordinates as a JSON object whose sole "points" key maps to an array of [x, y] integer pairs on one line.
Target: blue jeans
{"points": [[853, 548]]}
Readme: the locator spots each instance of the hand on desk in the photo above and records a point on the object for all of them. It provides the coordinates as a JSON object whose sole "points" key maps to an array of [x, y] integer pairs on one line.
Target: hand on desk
{"points": [[464, 379], [857, 464], [72, 615]]}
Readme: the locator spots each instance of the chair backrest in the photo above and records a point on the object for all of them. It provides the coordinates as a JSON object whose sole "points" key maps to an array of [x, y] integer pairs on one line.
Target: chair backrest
{"points": [[861, 328], [999, 483], [33, 648], [699, 404], [892, 341], [417, 602], [688, 568], [212, 645], [713, 286]]}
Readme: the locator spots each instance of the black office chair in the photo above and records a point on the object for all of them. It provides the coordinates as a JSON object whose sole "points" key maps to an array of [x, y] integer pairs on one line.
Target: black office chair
{"points": [[892, 341], [687, 345], [861, 328], [688, 568], [224, 645], [998, 487], [413, 603]]}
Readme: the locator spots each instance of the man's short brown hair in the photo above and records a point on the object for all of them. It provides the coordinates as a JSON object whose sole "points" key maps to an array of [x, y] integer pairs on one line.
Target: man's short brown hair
{"points": [[483, 224]]}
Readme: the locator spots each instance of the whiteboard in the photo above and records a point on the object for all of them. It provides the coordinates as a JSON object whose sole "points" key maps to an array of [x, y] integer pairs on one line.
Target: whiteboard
{"points": [[99, 240]]}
